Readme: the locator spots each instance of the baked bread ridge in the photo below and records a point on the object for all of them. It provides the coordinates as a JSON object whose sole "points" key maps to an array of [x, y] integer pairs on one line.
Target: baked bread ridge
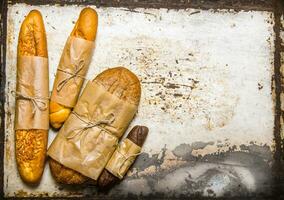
{"points": [[118, 81], [85, 28], [30, 145]]}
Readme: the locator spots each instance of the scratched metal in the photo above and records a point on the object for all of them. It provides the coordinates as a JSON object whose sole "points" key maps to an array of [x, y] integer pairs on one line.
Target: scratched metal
{"points": [[282, 71], [207, 97]]}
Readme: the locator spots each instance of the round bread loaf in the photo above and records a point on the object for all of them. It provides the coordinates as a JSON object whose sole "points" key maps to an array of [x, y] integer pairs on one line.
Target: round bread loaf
{"points": [[118, 81], [31, 144]]}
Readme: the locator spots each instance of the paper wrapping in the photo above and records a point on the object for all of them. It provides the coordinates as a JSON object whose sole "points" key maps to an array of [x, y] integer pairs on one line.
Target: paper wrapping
{"points": [[32, 93], [72, 68], [123, 158], [90, 135]]}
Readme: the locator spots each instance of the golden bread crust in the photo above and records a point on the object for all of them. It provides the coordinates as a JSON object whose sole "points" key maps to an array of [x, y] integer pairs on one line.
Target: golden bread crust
{"points": [[85, 28], [65, 175], [122, 83], [31, 144], [32, 37], [87, 24]]}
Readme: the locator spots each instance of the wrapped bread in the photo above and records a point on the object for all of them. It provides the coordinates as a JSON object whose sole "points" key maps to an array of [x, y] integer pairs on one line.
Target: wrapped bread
{"points": [[31, 121], [73, 67], [90, 135], [123, 157]]}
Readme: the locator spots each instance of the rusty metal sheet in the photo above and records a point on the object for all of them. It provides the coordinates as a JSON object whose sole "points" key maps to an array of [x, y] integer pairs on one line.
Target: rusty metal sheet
{"points": [[207, 97]]}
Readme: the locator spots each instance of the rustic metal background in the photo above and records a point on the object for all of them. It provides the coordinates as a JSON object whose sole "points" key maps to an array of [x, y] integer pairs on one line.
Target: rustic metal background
{"points": [[255, 156]]}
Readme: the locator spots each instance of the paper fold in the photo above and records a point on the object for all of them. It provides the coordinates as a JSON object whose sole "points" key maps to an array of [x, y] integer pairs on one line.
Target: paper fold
{"points": [[71, 71], [32, 104], [123, 157], [90, 135]]}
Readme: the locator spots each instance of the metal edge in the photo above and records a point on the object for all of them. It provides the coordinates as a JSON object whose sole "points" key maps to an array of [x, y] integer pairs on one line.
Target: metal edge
{"points": [[278, 9], [172, 4], [278, 167], [150, 198], [3, 30]]}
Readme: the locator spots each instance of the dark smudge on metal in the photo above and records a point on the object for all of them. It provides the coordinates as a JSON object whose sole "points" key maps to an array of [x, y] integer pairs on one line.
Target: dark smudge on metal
{"points": [[211, 175]]}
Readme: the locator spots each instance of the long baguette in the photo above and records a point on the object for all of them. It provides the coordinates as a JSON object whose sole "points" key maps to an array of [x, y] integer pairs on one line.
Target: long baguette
{"points": [[85, 28], [31, 144]]}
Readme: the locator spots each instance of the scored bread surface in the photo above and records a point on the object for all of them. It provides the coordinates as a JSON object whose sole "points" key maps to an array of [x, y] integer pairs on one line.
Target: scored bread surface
{"points": [[31, 144]]}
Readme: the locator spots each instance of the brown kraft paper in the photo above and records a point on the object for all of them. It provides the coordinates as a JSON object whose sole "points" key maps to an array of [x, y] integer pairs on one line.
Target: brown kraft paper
{"points": [[90, 134], [32, 93], [123, 158], [72, 68]]}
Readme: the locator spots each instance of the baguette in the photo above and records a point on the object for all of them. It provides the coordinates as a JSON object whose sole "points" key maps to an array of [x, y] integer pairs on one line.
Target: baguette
{"points": [[85, 28], [118, 81], [31, 144], [138, 136]]}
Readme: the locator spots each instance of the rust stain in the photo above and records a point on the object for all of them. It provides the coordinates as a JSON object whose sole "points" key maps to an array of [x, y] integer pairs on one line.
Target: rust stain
{"points": [[21, 193], [10, 31], [8, 152], [260, 86]]}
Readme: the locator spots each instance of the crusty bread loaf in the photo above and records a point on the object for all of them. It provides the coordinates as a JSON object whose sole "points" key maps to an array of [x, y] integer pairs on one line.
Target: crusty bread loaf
{"points": [[65, 175], [118, 81], [31, 144], [85, 28]]}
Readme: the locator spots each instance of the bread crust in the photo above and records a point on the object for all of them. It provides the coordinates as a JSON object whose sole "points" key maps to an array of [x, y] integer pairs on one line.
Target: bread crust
{"points": [[85, 28], [118, 81], [65, 175], [31, 144]]}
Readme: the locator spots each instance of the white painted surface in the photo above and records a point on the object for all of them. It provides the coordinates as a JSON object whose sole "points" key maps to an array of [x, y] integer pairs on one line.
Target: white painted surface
{"points": [[228, 54]]}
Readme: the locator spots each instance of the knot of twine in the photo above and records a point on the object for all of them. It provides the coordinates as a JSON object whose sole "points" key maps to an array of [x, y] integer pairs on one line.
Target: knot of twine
{"points": [[38, 102], [78, 67], [125, 159], [89, 124]]}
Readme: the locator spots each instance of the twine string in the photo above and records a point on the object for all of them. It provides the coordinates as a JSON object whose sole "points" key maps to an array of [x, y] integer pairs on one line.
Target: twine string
{"points": [[37, 102], [89, 124], [125, 159], [78, 68]]}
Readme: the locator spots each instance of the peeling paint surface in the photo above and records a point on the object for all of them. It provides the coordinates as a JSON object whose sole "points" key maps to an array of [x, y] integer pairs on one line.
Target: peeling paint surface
{"points": [[207, 97]]}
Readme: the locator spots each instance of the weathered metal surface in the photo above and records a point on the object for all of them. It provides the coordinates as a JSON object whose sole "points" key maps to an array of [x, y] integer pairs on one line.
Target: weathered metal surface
{"points": [[237, 5], [207, 97], [281, 35]]}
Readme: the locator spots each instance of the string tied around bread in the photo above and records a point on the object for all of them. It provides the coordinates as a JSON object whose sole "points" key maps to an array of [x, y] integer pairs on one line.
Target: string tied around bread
{"points": [[78, 68], [40, 103], [107, 120], [125, 159]]}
